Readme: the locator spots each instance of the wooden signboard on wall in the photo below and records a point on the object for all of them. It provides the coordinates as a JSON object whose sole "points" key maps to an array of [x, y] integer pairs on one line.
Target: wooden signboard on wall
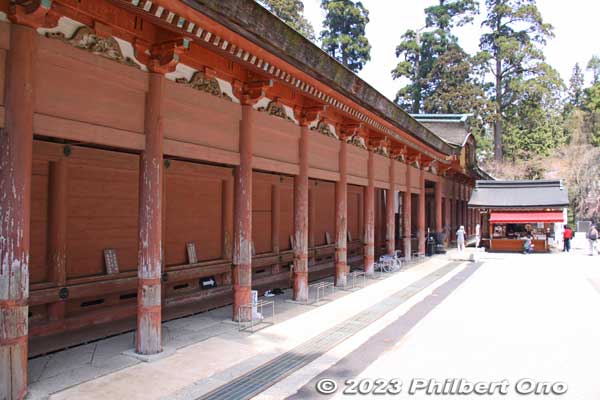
{"points": [[191, 253], [111, 262]]}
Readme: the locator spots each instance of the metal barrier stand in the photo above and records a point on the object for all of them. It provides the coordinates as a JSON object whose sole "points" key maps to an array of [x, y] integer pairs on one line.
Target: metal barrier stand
{"points": [[321, 287], [255, 320]]}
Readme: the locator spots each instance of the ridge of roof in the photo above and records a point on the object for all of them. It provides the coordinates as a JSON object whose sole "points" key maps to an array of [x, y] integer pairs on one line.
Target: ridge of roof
{"points": [[258, 25]]}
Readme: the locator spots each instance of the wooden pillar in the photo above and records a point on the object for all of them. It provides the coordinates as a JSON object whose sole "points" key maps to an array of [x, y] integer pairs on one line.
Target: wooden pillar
{"points": [[453, 221], [242, 235], [421, 220], [16, 141], [369, 215], [301, 221], [438, 206], [407, 216], [312, 213], [57, 232], [275, 217], [148, 337], [390, 210], [448, 222], [227, 218], [341, 218]]}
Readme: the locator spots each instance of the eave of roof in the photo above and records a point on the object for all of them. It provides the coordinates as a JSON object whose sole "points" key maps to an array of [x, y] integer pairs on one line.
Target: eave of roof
{"points": [[256, 24]]}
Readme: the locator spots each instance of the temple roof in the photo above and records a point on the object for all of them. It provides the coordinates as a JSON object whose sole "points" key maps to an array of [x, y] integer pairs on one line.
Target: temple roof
{"points": [[519, 194], [256, 24], [450, 127]]}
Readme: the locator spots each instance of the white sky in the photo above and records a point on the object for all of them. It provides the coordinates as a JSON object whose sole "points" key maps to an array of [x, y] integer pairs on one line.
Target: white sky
{"points": [[575, 22]]}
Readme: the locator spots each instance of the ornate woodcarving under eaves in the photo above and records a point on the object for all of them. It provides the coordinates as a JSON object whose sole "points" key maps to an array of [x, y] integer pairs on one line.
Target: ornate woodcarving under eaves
{"points": [[357, 141], [200, 82], [275, 109], [85, 38], [324, 128]]}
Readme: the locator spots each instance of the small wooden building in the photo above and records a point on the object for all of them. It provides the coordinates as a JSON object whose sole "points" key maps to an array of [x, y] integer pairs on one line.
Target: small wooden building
{"points": [[511, 210]]}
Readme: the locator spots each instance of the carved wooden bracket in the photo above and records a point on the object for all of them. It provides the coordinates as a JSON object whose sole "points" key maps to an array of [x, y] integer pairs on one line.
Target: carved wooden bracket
{"points": [[307, 115], [380, 146], [276, 109], [414, 159], [250, 93], [162, 57], [35, 14], [347, 131]]}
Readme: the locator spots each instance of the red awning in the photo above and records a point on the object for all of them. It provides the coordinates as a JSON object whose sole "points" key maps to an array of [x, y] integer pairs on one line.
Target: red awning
{"points": [[523, 217]]}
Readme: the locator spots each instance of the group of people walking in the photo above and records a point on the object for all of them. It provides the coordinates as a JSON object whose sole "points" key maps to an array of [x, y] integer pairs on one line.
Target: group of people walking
{"points": [[591, 236]]}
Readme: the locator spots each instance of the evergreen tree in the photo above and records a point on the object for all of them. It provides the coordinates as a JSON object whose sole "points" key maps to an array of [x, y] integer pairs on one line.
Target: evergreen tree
{"points": [[594, 66], [291, 12], [343, 36], [420, 50], [576, 86], [511, 51]]}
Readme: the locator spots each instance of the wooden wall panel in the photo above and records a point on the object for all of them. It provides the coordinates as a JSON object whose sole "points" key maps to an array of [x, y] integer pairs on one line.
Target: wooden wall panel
{"points": [[382, 170], [192, 116], [39, 222], [76, 85], [414, 179], [193, 211], [286, 227], [400, 169], [357, 162], [323, 152], [275, 139], [354, 211], [261, 211], [102, 213], [325, 211]]}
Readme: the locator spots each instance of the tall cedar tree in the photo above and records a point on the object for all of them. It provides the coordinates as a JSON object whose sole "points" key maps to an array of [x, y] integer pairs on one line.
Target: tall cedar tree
{"points": [[423, 51], [576, 87], [511, 51], [343, 36], [291, 12]]}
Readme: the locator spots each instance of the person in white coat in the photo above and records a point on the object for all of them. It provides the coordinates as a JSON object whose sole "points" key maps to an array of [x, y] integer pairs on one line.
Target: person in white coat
{"points": [[477, 235], [460, 238]]}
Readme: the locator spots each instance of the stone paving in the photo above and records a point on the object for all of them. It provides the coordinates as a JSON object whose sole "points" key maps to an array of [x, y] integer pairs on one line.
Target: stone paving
{"points": [[56, 372]]}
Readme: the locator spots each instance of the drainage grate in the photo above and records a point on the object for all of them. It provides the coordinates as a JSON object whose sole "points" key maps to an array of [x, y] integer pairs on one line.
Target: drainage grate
{"points": [[266, 375]]}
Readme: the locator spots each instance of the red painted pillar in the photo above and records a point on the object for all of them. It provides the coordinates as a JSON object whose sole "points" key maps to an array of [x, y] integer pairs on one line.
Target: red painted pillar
{"points": [[453, 222], [390, 209], [369, 215], [421, 220], [148, 338], [16, 141], [57, 232], [301, 221], [242, 235], [407, 216], [438, 206], [341, 218], [448, 222]]}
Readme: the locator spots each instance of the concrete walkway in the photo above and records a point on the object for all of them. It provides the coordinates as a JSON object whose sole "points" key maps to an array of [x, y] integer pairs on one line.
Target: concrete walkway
{"points": [[101, 368]]}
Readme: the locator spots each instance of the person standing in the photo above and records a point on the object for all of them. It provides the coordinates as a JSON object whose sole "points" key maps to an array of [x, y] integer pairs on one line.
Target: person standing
{"points": [[567, 236], [460, 238], [528, 244], [593, 238], [477, 235]]}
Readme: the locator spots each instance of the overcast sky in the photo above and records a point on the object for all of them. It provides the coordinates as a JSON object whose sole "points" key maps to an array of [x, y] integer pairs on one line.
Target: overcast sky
{"points": [[576, 28]]}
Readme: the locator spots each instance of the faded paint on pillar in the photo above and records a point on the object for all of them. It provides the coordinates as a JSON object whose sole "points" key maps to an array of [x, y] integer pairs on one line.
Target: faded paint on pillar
{"points": [[454, 203], [301, 221], [148, 337], [369, 215], [407, 216], [242, 235], [421, 221], [390, 210], [16, 141], [438, 206], [448, 222], [341, 218], [57, 232]]}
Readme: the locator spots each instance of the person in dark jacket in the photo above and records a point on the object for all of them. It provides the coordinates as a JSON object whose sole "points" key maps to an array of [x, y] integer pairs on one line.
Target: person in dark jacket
{"points": [[567, 236]]}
